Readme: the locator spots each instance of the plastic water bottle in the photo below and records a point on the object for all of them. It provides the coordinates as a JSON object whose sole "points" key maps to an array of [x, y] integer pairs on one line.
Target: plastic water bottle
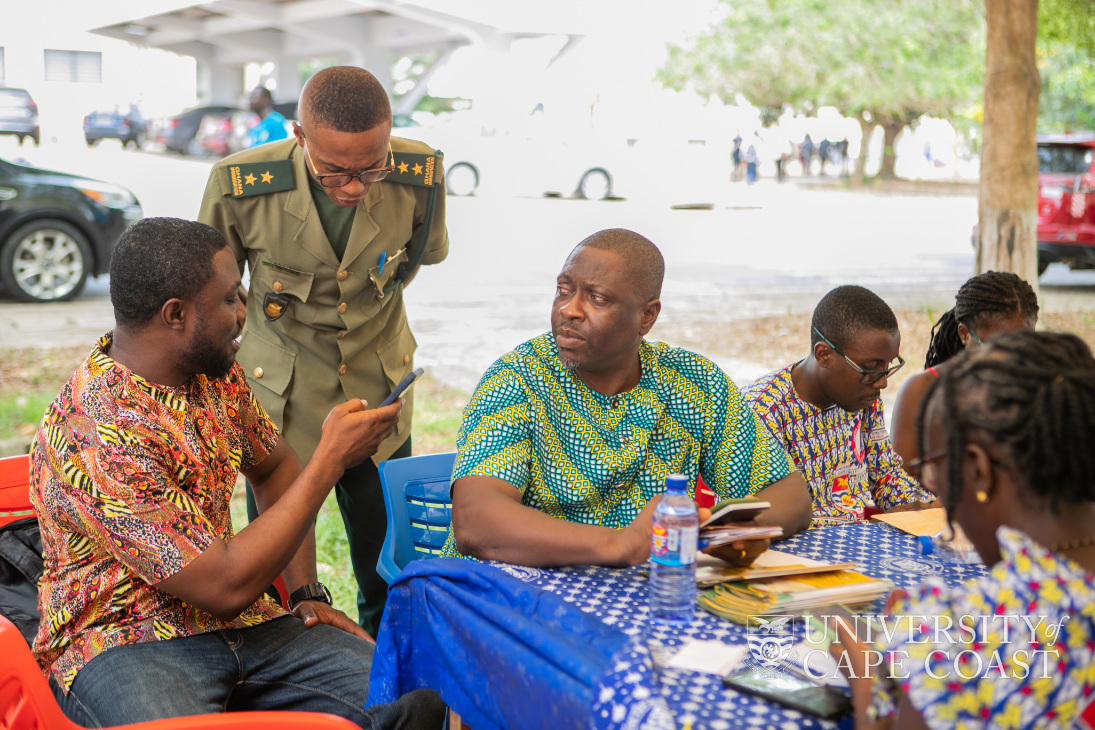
{"points": [[673, 554]]}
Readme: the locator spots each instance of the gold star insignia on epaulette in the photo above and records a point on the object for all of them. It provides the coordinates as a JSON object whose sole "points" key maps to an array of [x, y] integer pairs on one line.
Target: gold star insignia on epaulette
{"points": [[402, 166], [267, 177], [250, 179], [417, 169]]}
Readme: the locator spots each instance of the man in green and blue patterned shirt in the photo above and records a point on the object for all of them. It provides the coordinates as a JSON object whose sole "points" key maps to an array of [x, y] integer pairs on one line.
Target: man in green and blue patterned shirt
{"points": [[567, 441]]}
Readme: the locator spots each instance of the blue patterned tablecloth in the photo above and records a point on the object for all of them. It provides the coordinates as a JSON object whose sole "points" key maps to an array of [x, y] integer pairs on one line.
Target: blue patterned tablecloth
{"points": [[506, 648]]}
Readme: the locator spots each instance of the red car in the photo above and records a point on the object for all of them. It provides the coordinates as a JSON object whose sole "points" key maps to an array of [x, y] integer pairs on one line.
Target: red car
{"points": [[1066, 200]]}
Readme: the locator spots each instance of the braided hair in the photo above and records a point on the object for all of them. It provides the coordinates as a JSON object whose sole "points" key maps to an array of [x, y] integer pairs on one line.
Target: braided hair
{"points": [[1032, 395], [983, 297]]}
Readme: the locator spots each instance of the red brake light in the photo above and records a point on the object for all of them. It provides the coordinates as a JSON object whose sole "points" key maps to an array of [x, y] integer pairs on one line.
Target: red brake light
{"points": [[85, 119]]}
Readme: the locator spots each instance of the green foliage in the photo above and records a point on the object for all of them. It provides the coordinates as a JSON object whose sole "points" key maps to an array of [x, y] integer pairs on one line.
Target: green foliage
{"points": [[894, 59], [1068, 22], [1067, 101]]}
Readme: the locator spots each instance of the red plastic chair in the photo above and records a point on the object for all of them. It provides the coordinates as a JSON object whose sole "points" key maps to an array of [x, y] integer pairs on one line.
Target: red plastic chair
{"points": [[27, 703], [14, 489]]}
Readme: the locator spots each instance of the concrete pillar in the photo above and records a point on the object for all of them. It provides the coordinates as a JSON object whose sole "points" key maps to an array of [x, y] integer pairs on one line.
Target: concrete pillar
{"points": [[225, 84], [287, 74]]}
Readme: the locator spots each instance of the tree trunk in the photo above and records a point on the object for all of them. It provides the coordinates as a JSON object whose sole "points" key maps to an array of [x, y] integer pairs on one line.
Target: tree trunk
{"points": [[859, 174], [890, 129], [1007, 208]]}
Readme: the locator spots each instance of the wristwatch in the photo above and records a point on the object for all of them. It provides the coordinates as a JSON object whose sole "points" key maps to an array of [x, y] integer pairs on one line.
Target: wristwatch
{"points": [[310, 592]]}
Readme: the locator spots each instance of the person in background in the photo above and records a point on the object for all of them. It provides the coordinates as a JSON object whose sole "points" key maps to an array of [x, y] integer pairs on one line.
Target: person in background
{"points": [[271, 124], [827, 412], [1007, 434], [564, 448], [152, 605], [986, 304]]}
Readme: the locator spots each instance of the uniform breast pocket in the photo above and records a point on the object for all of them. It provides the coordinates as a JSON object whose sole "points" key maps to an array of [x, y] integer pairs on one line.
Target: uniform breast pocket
{"points": [[282, 291], [382, 275]]}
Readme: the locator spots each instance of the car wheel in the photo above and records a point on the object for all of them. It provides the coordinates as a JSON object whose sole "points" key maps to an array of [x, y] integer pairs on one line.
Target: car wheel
{"points": [[596, 184], [139, 140], [462, 179], [46, 260], [91, 142]]}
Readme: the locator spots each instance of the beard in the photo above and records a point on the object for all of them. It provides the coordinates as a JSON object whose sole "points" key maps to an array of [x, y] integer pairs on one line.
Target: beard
{"points": [[206, 357]]}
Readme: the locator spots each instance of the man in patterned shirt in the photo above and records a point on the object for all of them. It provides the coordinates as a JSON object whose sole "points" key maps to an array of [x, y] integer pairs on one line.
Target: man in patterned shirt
{"points": [[826, 410], [151, 606], [566, 443]]}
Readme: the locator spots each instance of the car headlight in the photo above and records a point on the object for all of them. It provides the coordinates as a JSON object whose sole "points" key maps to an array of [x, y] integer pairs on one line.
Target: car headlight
{"points": [[1052, 192], [112, 196]]}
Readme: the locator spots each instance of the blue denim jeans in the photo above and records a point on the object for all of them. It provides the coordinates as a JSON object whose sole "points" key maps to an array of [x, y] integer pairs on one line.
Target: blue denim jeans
{"points": [[278, 665]]}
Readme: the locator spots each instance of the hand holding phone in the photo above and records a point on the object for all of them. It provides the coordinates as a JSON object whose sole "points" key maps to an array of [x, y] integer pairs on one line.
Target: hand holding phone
{"points": [[403, 385]]}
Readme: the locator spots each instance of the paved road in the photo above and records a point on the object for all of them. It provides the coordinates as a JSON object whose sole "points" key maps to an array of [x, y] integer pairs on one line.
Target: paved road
{"points": [[768, 249]]}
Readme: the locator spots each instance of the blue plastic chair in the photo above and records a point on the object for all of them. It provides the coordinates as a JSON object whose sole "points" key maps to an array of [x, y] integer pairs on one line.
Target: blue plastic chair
{"points": [[416, 497]]}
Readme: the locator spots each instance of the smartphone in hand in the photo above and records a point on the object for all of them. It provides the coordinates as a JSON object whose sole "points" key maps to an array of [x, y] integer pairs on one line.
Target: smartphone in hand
{"points": [[403, 385]]}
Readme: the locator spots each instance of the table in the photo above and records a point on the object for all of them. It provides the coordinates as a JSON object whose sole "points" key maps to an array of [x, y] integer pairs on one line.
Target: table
{"points": [[509, 646]]}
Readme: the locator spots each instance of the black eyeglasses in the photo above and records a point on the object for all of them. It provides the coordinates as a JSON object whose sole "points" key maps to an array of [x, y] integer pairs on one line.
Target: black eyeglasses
{"points": [[338, 180], [867, 377], [924, 467]]}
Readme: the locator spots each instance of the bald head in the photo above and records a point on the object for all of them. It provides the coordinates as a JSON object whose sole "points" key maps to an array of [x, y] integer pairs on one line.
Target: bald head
{"points": [[345, 99], [643, 262]]}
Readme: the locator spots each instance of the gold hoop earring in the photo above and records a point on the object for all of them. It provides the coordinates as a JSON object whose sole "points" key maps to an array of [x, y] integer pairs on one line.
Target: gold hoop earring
{"points": [[982, 497]]}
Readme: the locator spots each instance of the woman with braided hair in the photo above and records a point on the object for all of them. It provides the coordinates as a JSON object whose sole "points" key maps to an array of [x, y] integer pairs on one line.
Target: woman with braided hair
{"points": [[1006, 432], [985, 305]]}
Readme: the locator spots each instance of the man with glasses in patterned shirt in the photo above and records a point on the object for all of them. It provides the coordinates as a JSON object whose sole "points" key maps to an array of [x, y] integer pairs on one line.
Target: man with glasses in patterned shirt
{"points": [[332, 226], [827, 412]]}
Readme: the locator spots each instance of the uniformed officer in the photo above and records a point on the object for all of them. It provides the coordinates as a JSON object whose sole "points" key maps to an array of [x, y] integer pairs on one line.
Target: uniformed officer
{"points": [[332, 225]]}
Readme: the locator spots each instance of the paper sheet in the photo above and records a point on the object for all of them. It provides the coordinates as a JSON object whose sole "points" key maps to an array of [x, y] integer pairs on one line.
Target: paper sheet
{"points": [[712, 657]]}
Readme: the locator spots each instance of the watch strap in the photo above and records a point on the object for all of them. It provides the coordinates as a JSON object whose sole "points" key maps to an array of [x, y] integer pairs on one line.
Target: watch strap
{"points": [[310, 592]]}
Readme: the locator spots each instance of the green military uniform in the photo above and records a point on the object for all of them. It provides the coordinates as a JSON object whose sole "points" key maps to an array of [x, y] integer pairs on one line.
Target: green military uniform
{"points": [[321, 330]]}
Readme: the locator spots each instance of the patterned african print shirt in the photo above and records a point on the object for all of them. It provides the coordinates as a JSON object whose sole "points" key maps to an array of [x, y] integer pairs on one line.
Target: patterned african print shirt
{"points": [[847, 458], [597, 459], [1015, 649], [131, 481]]}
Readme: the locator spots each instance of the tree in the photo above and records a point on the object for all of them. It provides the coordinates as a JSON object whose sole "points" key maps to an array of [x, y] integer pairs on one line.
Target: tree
{"points": [[1006, 211], [882, 62]]}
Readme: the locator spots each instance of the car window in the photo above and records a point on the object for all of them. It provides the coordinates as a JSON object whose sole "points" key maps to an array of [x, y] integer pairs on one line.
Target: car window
{"points": [[1071, 159], [13, 97]]}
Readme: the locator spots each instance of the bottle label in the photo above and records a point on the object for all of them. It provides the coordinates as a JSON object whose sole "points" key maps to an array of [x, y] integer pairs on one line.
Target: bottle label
{"points": [[673, 546]]}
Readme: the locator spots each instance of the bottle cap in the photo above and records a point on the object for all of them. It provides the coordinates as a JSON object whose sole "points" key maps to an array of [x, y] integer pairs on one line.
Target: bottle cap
{"points": [[676, 483]]}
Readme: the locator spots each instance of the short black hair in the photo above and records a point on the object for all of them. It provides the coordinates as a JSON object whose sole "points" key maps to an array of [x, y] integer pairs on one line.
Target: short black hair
{"points": [[987, 296], [848, 310], [158, 259], [345, 99], [263, 92], [1031, 395], [645, 265]]}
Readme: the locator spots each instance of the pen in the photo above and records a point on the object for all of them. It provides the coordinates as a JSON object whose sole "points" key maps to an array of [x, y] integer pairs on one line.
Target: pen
{"points": [[383, 258]]}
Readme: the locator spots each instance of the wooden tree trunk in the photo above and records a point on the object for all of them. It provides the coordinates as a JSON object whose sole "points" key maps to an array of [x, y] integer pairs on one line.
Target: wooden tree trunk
{"points": [[1007, 209], [890, 129], [859, 174]]}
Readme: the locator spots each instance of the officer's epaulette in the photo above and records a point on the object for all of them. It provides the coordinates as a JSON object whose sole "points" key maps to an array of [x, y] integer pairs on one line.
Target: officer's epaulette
{"points": [[259, 178], [414, 169]]}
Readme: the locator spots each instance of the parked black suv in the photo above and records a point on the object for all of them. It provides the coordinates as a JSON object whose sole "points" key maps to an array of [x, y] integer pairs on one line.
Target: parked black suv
{"points": [[56, 230], [18, 114]]}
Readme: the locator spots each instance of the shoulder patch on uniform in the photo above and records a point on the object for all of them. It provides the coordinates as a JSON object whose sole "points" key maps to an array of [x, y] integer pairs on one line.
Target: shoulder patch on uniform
{"points": [[414, 169], [259, 178]]}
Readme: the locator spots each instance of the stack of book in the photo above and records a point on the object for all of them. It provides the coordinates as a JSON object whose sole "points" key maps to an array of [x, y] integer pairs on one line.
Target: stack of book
{"points": [[778, 583]]}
